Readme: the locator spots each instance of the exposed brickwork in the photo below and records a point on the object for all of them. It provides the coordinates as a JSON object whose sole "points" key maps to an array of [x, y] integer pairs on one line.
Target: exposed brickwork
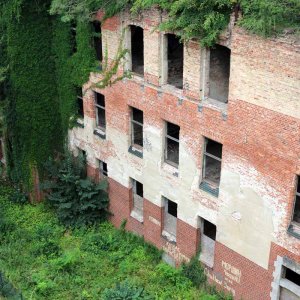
{"points": [[188, 238], [259, 129]]}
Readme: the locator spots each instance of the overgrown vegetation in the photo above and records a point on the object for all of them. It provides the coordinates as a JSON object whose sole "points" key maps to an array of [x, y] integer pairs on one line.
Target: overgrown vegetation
{"points": [[44, 260], [77, 200], [196, 19]]}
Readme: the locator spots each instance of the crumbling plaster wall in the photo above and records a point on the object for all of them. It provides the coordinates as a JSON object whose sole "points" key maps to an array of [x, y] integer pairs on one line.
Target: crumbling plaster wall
{"points": [[260, 136]]}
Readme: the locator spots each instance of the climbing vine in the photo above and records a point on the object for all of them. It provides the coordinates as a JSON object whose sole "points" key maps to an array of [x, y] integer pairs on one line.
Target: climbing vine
{"points": [[32, 116]]}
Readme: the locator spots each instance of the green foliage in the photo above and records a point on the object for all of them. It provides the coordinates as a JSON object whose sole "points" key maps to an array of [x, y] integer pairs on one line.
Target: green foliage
{"points": [[195, 19], [18, 196], [194, 271], [83, 61], [125, 291], [7, 290], [83, 262], [32, 116], [267, 17], [62, 51], [78, 201]]}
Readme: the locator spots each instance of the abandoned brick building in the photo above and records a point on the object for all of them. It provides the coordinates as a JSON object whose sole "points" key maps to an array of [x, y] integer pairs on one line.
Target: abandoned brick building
{"points": [[201, 148]]}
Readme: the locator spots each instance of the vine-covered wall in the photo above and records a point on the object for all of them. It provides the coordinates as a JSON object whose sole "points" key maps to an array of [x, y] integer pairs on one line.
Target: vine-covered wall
{"points": [[43, 76]]}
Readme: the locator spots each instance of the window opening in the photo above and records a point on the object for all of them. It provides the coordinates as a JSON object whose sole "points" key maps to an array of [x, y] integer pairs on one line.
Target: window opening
{"points": [[137, 121], [172, 144], [175, 61], [207, 240], [100, 111], [80, 110], [219, 72], [212, 162], [103, 168], [292, 276], [137, 49], [170, 220], [97, 39], [138, 200], [296, 215]]}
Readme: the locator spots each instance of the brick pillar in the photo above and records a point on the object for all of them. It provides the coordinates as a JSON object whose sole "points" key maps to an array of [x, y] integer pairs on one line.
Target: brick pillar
{"points": [[187, 238], [119, 204], [153, 223]]}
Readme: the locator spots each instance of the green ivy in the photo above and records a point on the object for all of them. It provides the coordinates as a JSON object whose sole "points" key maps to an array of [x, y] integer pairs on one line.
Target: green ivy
{"points": [[32, 115], [62, 51]]}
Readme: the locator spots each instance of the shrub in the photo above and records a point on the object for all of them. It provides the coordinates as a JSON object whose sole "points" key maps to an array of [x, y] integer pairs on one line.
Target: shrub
{"points": [[7, 290], [78, 201], [125, 291], [46, 242], [194, 271], [17, 196]]}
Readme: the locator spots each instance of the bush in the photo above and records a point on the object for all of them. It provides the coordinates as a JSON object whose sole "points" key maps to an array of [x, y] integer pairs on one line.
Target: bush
{"points": [[7, 290], [17, 196], [194, 271], [125, 291], [77, 200]]}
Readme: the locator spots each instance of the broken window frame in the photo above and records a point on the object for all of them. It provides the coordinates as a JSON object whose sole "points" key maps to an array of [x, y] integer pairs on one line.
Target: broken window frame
{"points": [[103, 170], [128, 43], [98, 106], [205, 66], [165, 77], [80, 98], [97, 37], [167, 136], [169, 233], [205, 154], [137, 210], [135, 122], [287, 284], [205, 238]]}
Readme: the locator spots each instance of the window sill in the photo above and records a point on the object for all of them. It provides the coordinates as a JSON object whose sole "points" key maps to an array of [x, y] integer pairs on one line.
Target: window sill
{"points": [[294, 230], [214, 104], [206, 261], [137, 215], [171, 168], [100, 133], [169, 237], [135, 151], [205, 186]]}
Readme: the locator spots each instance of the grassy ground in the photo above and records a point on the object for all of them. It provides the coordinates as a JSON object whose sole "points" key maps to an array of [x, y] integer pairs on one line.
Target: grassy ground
{"points": [[43, 260]]}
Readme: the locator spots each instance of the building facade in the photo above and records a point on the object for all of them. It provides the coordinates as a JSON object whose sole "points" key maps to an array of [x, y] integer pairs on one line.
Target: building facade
{"points": [[201, 148]]}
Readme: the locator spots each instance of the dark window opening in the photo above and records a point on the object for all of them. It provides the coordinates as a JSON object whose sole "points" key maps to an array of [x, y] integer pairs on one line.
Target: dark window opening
{"points": [[296, 215], [103, 168], [209, 229], [137, 49], [172, 144], [137, 127], [80, 110], [97, 40], [100, 111], [212, 162], [175, 61], [139, 188], [219, 71], [172, 208], [292, 276]]}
